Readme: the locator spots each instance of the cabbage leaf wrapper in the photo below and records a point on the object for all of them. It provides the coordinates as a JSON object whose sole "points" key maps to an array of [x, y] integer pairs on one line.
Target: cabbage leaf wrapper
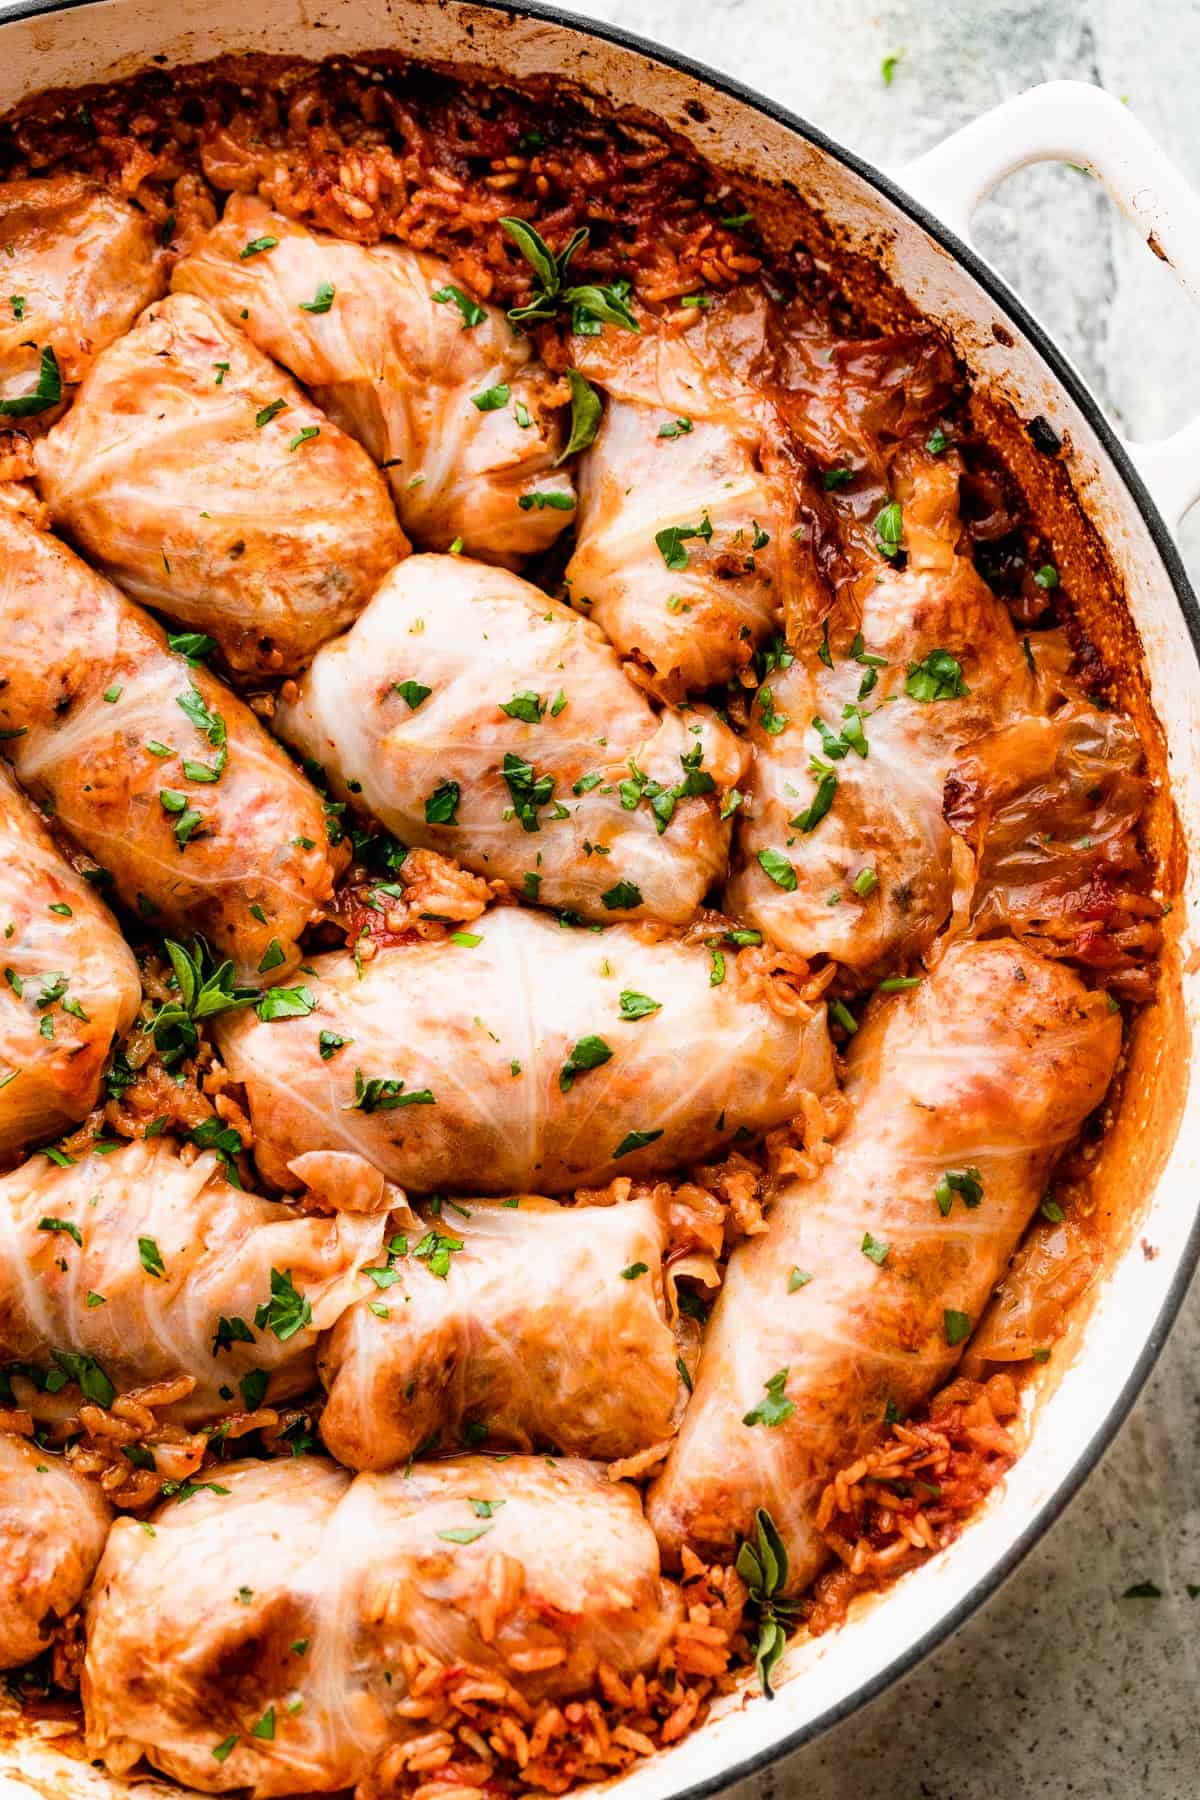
{"points": [[70, 987], [471, 1349], [471, 714], [80, 264], [53, 1526], [537, 1059], [854, 1306], [298, 1596], [146, 1267], [439, 390], [684, 552], [842, 848], [1050, 808], [152, 765], [200, 477]]}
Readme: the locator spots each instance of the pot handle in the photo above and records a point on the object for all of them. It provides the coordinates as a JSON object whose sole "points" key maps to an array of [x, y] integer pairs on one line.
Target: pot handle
{"points": [[1070, 121]]}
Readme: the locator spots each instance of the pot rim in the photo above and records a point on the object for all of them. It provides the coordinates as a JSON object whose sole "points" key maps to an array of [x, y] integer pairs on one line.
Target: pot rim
{"points": [[1168, 552]]}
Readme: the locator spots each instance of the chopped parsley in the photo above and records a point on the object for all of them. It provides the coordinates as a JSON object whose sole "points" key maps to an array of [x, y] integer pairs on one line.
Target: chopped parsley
{"points": [[150, 1257], [814, 812], [775, 864], [321, 301], [47, 393], [187, 819], [968, 1183], [938, 676], [195, 645], [589, 1053], [472, 313], [671, 540], [635, 1140], [773, 1408], [772, 722], [557, 499], [436, 1249], [285, 1003], [86, 1372], [385, 1094], [526, 706], [528, 790], [493, 399], [441, 808], [889, 530], [623, 896], [412, 692], [287, 1311], [66, 1226], [957, 1326]]}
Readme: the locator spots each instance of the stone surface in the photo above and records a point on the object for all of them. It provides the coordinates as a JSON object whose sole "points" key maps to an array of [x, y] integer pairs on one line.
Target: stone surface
{"points": [[1061, 1689]]}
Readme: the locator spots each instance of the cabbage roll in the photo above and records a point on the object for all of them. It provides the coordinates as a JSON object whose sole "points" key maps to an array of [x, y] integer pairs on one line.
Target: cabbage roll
{"points": [[535, 1059], [53, 1525], [467, 1344], [204, 481], [856, 1302], [842, 848], [470, 713], [151, 765], [259, 1640], [80, 264], [441, 391], [70, 987], [149, 1267], [1050, 808], [684, 550]]}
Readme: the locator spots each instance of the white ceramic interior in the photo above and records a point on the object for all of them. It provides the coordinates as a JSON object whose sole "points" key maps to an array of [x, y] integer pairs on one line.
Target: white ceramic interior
{"points": [[1111, 1353]]}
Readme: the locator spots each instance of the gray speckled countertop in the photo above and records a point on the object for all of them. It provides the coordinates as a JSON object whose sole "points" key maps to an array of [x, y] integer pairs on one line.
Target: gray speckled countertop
{"points": [[1060, 1689]]}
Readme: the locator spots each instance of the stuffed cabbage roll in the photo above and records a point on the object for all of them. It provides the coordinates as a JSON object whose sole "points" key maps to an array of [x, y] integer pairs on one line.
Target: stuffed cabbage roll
{"points": [[684, 545], [70, 988], [1050, 808], [441, 391], [151, 765], [858, 1299], [470, 713], [842, 848], [204, 481], [262, 1638], [537, 1058], [53, 1525], [79, 267], [150, 1267], [465, 1342]]}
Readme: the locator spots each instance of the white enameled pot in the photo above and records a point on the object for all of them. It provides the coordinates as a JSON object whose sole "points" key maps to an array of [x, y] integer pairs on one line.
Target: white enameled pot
{"points": [[916, 222]]}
